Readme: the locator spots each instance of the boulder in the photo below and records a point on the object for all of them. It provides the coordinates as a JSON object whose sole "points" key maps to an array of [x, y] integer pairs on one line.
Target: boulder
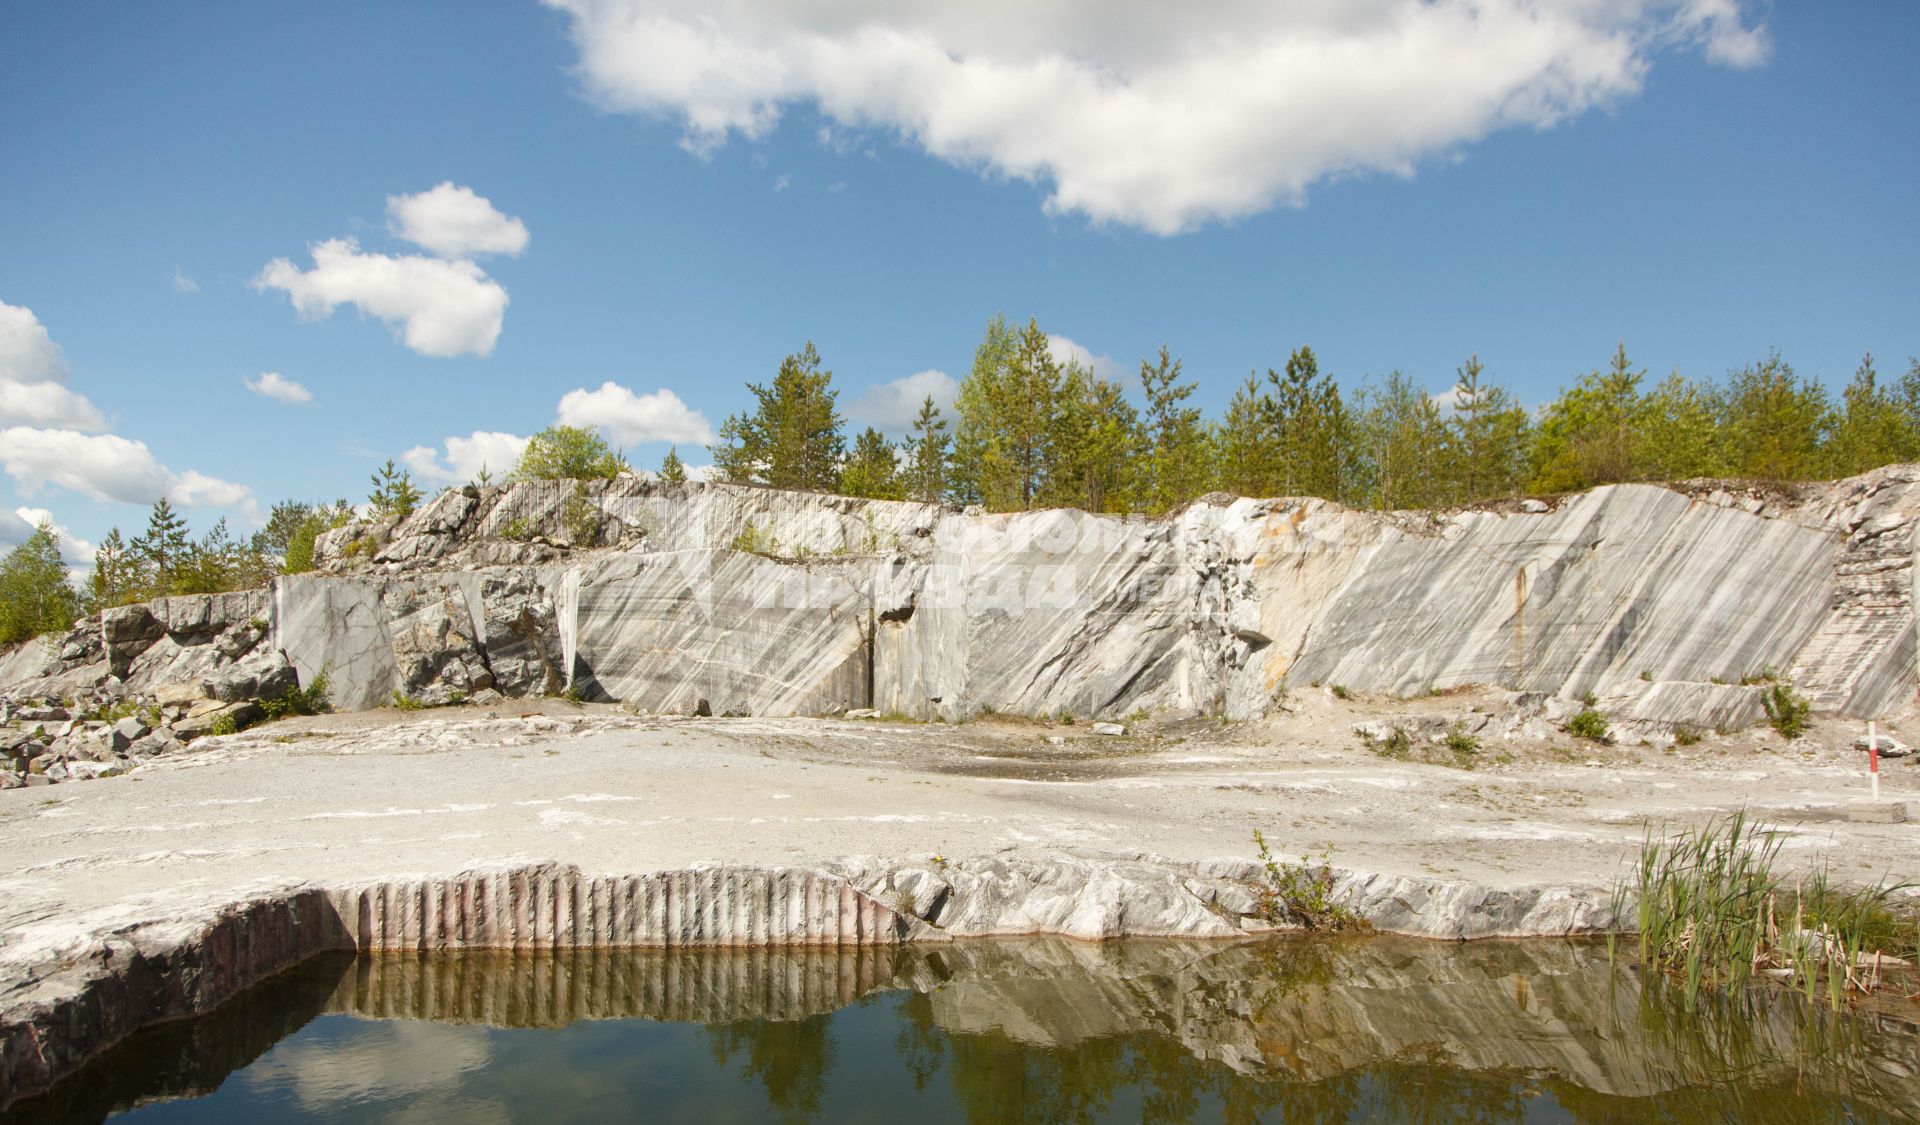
{"points": [[1109, 729], [1890, 747]]}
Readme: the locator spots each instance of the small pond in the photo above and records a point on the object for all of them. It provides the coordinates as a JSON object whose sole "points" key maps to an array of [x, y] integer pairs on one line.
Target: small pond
{"points": [[1039, 1030]]}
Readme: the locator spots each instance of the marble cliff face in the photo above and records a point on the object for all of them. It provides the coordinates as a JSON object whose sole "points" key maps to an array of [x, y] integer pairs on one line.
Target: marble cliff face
{"points": [[723, 599]]}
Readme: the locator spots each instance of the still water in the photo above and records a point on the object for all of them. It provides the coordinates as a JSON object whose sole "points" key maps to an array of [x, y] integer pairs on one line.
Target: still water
{"points": [[1032, 1030]]}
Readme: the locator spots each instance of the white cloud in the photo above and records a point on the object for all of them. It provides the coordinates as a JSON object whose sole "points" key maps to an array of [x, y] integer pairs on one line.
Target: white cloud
{"points": [[1151, 115], [33, 374], [110, 467], [491, 450], [182, 283], [782, 182], [27, 353], [454, 222], [629, 419], [894, 405], [1066, 350], [442, 308], [47, 404], [272, 384], [75, 550]]}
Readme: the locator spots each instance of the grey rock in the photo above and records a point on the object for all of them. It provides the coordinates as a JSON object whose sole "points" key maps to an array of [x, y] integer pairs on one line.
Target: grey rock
{"points": [[1109, 729], [131, 728], [1889, 746]]}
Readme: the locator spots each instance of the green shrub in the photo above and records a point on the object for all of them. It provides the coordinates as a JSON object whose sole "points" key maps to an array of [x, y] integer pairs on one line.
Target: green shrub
{"points": [[1462, 742], [311, 700], [225, 724], [754, 541], [518, 530], [1787, 710], [1340, 692], [1397, 745], [1302, 894], [1589, 724], [581, 518], [1686, 736], [569, 452], [405, 702]]}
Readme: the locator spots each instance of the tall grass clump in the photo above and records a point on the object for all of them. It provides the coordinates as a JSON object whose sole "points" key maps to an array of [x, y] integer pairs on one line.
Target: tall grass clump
{"points": [[1715, 916]]}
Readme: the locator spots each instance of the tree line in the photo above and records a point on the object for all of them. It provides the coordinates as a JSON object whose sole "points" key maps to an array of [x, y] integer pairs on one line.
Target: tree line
{"points": [[1028, 431]]}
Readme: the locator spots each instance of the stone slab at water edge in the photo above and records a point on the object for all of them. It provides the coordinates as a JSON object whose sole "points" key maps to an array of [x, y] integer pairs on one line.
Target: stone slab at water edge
{"points": [[1659, 601]]}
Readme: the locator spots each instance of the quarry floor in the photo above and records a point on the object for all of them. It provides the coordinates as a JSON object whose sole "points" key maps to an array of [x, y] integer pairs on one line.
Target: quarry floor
{"points": [[388, 795]]}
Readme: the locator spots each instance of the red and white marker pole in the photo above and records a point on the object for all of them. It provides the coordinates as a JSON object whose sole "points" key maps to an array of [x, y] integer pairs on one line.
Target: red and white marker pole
{"points": [[1873, 759]]}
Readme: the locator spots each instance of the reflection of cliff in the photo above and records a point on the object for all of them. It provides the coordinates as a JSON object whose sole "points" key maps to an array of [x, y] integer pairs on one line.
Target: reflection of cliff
{"points": [[190, 1058], [1298, 1010], [555, 988], [1051, 1029]]}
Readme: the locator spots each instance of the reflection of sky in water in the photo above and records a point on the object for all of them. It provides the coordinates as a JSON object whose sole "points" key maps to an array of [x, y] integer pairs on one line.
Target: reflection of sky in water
{"points": [[1037, 1031]]}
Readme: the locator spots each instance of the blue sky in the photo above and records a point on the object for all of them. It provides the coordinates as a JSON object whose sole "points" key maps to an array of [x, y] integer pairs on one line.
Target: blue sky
{"points": [[1523, 179]]}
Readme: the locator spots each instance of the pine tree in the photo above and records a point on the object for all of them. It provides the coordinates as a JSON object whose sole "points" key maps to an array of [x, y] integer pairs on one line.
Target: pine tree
{"points": [[1177, 468], [1775, 422], [1680, 435], [1591, 434], [162, 548], [1245, 446], [927, 455], [671, 469], [1401, 438], [35, 595], [1007, 404], [873, 469], [394, 495], [1095, 445], [1487, 435], [1873, 427], [117, 577], [792, 439]]}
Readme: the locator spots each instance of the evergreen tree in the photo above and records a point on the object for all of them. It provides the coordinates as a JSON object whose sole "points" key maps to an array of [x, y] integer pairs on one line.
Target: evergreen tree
{"points": [[1306, 423], [35, 596], [1775, 422], [1401, 437], [1874, 427], [1591, 434], [1007, 405], [1487, 435], [117, 577], [568, 453], [1680, 431], [394, 495], [792, 439], [670, 468], [1244, 444], [1176, 464], [1095, 445], [927, 455], [162, 548], [873, 469]]}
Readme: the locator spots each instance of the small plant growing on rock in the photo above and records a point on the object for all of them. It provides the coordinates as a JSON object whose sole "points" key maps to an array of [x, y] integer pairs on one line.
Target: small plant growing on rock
{"points": [[225, 724], [1340, 691], [1302, 894], [404, 702], [517, 530], [1589, 724], [581, 518], [1398, 744], [1686, 736], [311, 700], [1787, 709], [1462, 742], [754, 541]]}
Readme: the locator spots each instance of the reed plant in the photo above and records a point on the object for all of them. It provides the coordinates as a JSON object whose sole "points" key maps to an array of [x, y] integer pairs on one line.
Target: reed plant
{"points": [[1715, 915]]}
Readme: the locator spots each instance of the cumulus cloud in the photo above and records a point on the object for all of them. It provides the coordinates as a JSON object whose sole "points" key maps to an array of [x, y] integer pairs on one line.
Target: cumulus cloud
{"points": [[1066, 350], [894, 405], [629, 419], [454, 222], [274, 385], [33, 374], [73, 549], [109, 467], [1151, 115], [465, 457], [441, 308]]}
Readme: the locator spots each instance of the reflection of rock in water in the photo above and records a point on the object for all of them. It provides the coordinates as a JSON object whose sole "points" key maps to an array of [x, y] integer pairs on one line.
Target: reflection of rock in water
{"points": [[555, 988], [190, 1058], [1046, 1027]]}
